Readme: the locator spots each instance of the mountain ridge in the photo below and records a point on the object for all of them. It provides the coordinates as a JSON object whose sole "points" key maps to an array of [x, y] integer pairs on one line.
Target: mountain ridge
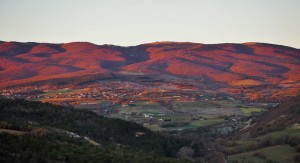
{"points": [[148, 43], [234, 65]]}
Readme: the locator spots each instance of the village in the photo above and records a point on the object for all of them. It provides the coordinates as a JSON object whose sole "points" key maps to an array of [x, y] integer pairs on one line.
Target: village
{"points": [[158, 106]]}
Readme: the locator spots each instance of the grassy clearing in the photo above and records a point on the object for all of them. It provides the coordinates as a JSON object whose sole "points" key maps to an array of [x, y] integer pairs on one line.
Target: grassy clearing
{"points": [[146, 104], [184, 105], [154, 127], [192, 125], [227, 104], [250, 110], [246, 142], [177, 118], [208, 122], [13, 132], [276, 134], [213, 111], [198, 123], [278, 153], [205, 104], [144, 108], [65, 90], [139, 110]]}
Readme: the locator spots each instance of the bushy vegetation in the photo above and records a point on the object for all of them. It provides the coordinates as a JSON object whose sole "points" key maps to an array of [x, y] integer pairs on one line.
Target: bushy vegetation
{"points": [[58, 148], [273, 137], [25, 116], [279, 118], [33, 137], [293, 141]]}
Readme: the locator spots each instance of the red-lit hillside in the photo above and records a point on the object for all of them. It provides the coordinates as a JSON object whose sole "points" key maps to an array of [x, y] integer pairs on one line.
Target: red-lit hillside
{"points": [[235, 65]]}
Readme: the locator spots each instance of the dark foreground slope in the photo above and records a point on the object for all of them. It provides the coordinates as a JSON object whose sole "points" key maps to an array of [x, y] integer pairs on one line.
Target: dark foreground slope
{"points": [[42, 132]]}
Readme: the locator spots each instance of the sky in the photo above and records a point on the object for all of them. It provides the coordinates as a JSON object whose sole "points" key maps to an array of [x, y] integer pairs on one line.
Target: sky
{"points": [[133, 22]]}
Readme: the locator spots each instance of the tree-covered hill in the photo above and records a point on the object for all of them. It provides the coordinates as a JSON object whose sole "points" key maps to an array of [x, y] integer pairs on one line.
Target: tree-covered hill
{"points": [[47, 132]]}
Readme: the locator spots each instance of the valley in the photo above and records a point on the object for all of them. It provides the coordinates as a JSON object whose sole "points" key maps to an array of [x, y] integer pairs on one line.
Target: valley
{"points": [[179, 101], [156, 103]]}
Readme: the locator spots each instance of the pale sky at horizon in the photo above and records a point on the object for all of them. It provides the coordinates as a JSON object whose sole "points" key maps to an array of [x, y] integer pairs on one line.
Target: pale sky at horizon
{"points": [[133, 22]]}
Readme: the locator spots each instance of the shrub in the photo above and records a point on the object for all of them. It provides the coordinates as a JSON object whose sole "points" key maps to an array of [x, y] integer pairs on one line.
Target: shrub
{"points": [[185, 152], [297, 148], [296, 158], [259, 155]]}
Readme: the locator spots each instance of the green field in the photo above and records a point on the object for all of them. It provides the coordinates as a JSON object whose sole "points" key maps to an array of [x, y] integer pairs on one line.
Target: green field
{"points": [[145, 108], [141, 110], [65, 90], [146, 104], [183, 111], [250, 110], [154, 127], [192, 125], [207, 122], [213, 111], [280, 153], [187, 105], [205, 104], [276, 134], [208, 107]]}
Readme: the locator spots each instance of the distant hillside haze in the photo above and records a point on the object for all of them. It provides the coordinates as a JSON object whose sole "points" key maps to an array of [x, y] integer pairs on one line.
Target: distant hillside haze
{"points": [[248, 64]]}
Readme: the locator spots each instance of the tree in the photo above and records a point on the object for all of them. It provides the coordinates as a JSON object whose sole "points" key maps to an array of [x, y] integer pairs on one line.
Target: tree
{"points": [[185, 152]]}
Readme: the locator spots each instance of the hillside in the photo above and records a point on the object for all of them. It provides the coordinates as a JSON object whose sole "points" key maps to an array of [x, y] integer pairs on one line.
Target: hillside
{"points": [[45, 132], [237, 68], [270, 136], [285, 115], [273, 136]]}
